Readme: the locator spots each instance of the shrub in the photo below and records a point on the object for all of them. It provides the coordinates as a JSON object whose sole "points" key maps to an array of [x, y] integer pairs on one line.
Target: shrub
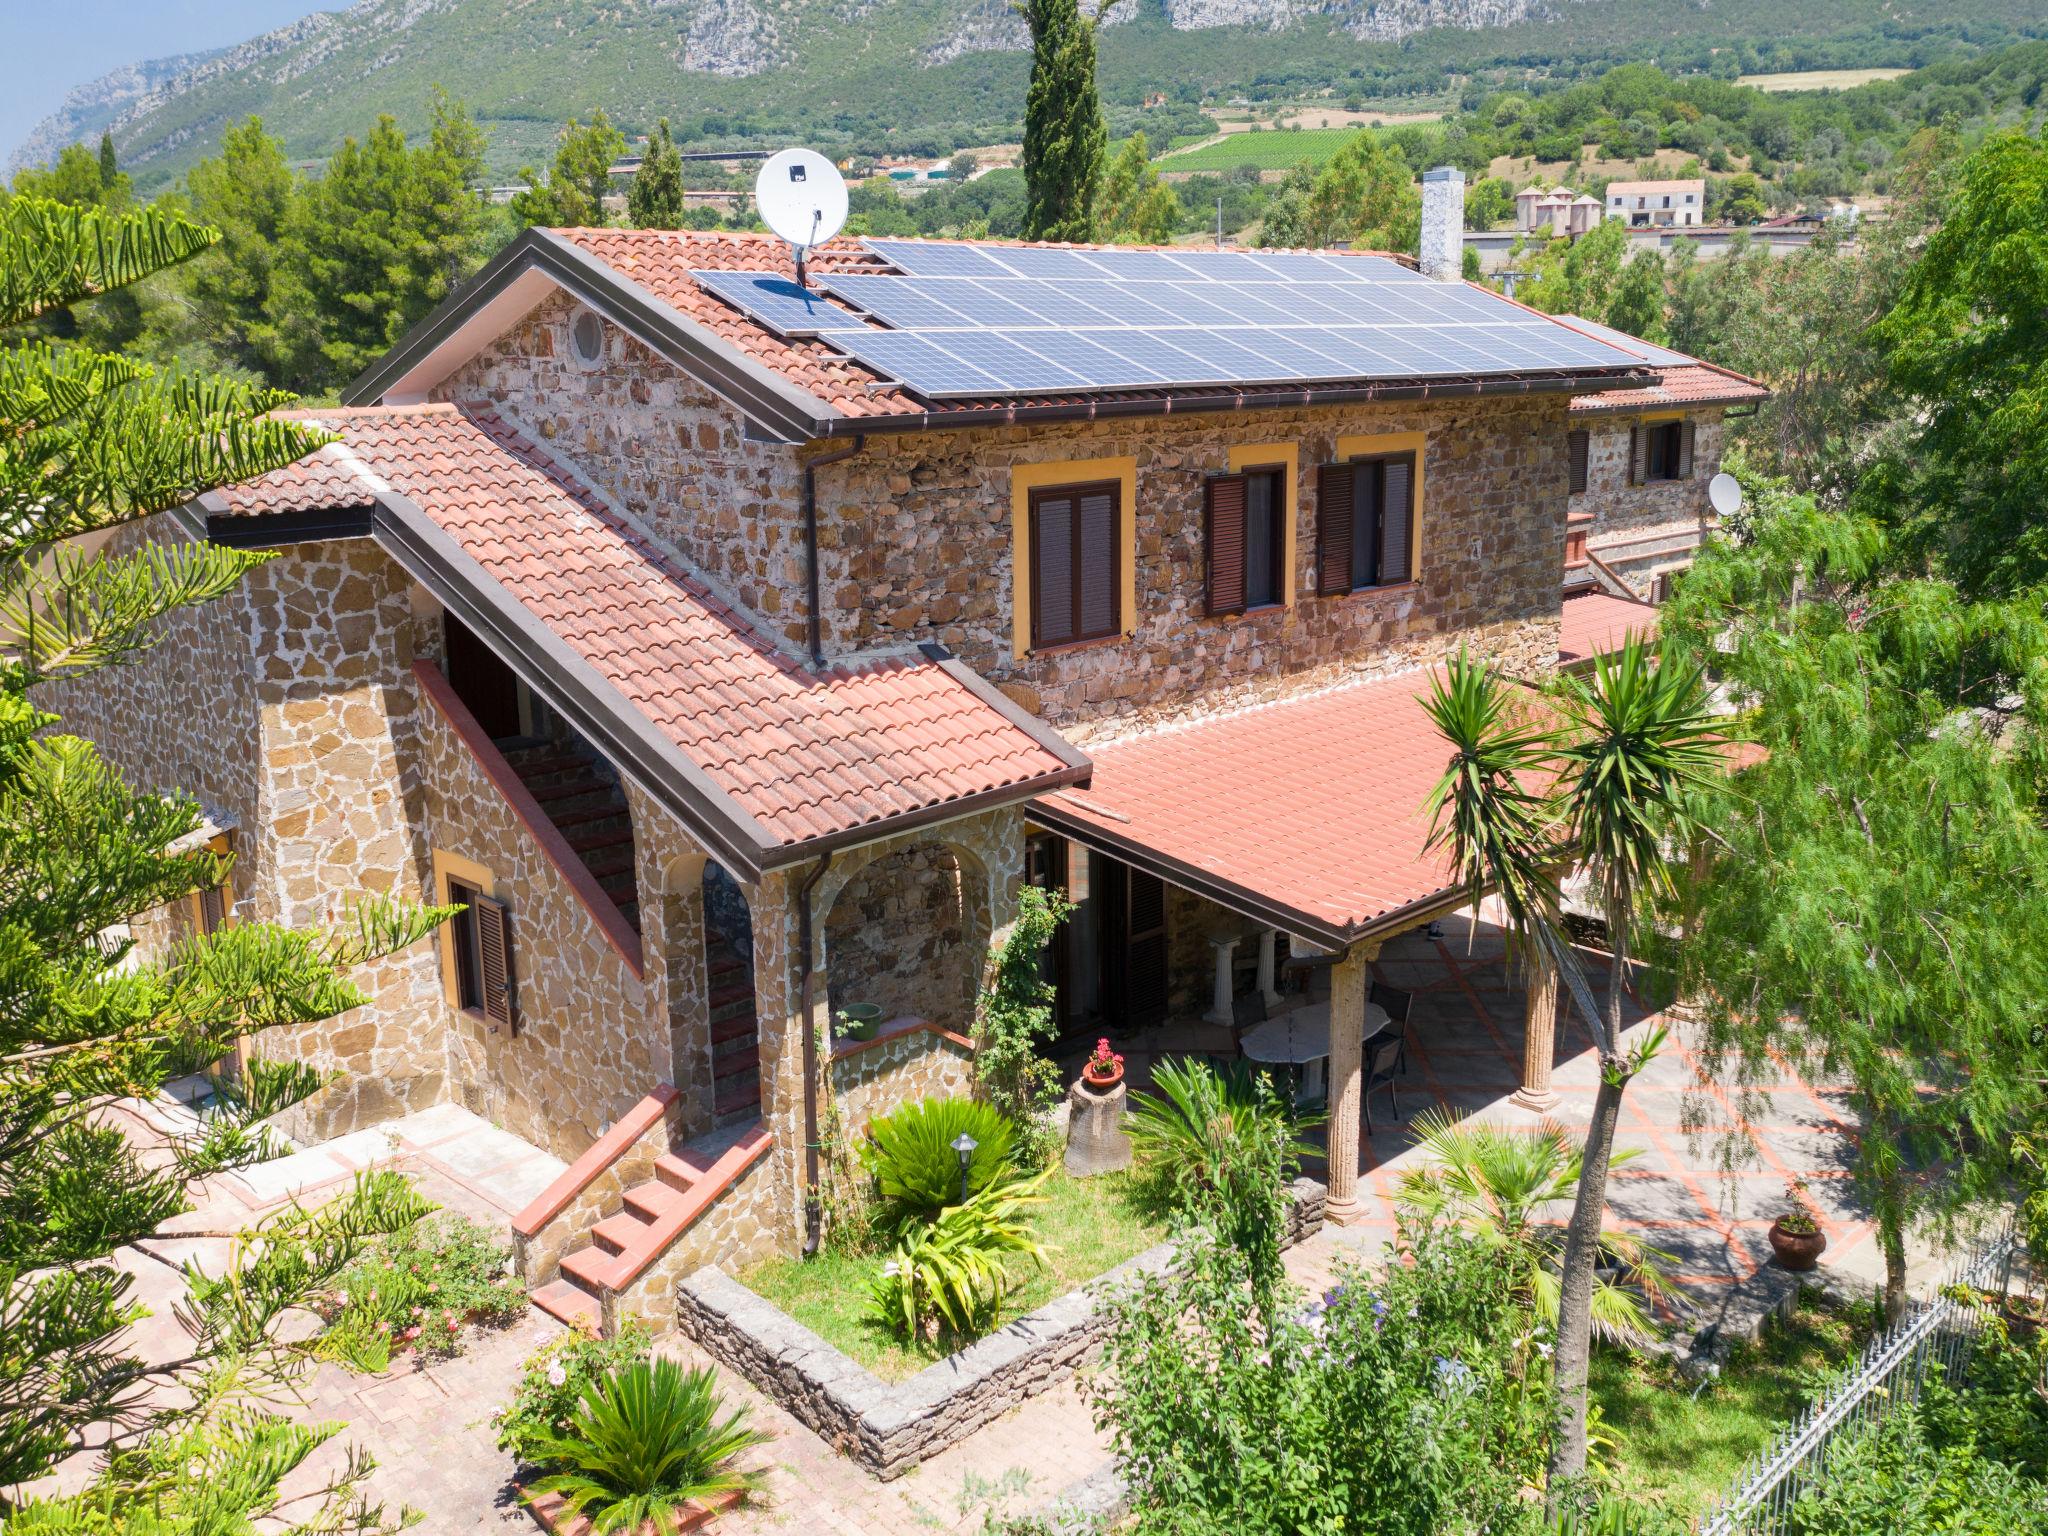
{"points": [[645, 1440], [1188, 1134], [415, 1289], [1013, 1016], [1896, 1477], [954, 1273], [553, 1382], [916, 1169]]}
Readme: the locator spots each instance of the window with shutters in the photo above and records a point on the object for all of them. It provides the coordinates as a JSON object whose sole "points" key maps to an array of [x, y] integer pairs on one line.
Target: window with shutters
{"points": [[481, 938], [1247, 539], [1581, 446], [1076, 576], [1666, 450], [1365, 523]]}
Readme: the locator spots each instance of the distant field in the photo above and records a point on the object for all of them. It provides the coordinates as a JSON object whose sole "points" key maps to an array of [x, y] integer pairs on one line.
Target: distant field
{"points": [[1279, 150], [1821, 79]]}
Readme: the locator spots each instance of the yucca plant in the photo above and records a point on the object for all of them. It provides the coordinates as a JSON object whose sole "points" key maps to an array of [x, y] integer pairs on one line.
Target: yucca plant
{"points": [[646, 1441], [917, 1172], [1497, 1186], [1182, 1135], [954, 1273]]}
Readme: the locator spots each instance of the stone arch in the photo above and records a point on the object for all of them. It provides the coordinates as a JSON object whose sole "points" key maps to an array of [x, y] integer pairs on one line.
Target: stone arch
{"points": [[908, 930]]}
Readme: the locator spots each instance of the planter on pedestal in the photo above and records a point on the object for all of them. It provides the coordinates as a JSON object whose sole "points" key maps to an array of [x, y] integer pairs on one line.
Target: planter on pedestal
{"points": [[1096, 1142]]}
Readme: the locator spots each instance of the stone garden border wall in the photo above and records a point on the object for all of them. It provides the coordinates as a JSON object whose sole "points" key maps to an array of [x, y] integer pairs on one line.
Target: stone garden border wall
{"points": [[890, 1427]]}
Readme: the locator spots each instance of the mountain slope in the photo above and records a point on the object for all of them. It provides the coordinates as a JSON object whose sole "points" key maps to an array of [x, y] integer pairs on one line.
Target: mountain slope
{"points": [[922, 75]]}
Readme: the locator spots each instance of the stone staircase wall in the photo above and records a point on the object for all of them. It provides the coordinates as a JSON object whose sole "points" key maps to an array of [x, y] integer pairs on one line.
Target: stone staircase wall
{"points": [[592, 1188]]}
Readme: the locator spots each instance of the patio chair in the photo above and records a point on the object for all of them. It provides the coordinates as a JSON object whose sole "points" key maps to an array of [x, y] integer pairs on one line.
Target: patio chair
{"points": [[1382, 1066], [1399, 1005]]}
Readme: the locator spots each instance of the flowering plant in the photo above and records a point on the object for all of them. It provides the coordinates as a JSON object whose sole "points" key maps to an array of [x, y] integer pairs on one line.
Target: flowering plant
{"points": [[1798, 1218], [1104, 1062], [551, 1385]]}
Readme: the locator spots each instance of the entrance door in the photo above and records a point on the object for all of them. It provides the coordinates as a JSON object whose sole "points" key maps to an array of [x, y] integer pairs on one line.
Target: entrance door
{"points": [[1108, 961], [1139, 945], [482, 681]]}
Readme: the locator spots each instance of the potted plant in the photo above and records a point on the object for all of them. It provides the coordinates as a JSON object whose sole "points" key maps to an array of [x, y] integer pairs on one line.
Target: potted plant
{"points": [[1796, 1237], [1105, 1069], [858, 1021]]}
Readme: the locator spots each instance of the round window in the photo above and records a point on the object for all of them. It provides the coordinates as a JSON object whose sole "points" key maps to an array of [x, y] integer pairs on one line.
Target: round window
{"points": [[586, 339]]}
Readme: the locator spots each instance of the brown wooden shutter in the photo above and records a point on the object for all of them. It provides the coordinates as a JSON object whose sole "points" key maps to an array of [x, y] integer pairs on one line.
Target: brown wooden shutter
{"points": [[1052, 570], [1580, 443], [1335, 487], [1096, 557], [1225, 508], [213, 911], [1397, 518], [1637, 443], [1685, 451], [494, 947]]}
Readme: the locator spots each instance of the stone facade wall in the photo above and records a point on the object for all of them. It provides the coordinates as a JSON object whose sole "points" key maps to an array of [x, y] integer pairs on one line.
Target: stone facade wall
{"points": [[746, 1224], [915, 532], [876, 1078], [1640, 531], [909, 933], [889, 1428]]}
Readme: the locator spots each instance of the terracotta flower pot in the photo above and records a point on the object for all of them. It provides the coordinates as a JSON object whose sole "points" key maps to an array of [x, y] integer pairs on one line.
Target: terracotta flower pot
{"points": [[1796, 1251], [1104, 1081]]}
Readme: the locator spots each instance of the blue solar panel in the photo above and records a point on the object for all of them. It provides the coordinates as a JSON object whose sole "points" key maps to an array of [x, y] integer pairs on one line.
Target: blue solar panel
{"points": [[1291, 266], [1225, 266], [778, 303], [1256, 303], [905, 303], [938, 258], [1000, 303], [1120, 304], [1047, 261], [1139, 264], [1007, 358], [1179, 357], [1107, 365], [1189, 302], [917, 362]]}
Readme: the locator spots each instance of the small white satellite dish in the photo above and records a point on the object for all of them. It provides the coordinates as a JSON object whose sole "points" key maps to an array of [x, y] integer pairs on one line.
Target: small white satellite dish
{"points": [[1724, 494], [802, 197]]}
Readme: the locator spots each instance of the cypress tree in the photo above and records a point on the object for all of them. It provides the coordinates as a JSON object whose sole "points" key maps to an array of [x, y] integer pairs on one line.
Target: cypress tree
{"points": [[110, 169], [655, 200], [1065, 139]]}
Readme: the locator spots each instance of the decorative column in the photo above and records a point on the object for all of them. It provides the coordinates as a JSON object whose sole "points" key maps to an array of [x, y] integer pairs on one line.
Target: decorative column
{"points": [[1267, 990], [1221, 1009], [1347, 1078], [1539, 1036]]}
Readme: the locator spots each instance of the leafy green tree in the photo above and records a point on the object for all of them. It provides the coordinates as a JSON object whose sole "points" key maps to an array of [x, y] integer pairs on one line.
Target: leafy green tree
{"points": [[246, 193], [1874, 906], [1637, 303], [573, 194], [96, 444], [1967, 345], [655, 199], [1065, 139], [1574, 276], [1366, 194], [1742, 202], [1489, 203], [77, 178], [110, 165], [1137, 207], [375, 243], [1013, 1018]]}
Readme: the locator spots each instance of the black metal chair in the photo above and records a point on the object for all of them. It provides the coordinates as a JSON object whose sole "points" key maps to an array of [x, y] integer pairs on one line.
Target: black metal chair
{"points": [[1383, 1059], [1399, 1005]]}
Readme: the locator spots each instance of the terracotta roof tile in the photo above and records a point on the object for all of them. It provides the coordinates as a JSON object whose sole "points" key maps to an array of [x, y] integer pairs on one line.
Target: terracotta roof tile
{"points": [[1595, 623], [1681, 380], [807, 754], [1314, 804]]}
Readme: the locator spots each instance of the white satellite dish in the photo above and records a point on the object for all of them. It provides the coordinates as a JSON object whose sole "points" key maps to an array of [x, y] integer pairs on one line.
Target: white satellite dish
{"points": [[802, 197], [1724, 493]]}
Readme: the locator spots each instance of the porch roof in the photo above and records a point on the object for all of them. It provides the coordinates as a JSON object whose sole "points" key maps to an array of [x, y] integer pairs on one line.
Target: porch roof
{"points": [[1306, 813]]}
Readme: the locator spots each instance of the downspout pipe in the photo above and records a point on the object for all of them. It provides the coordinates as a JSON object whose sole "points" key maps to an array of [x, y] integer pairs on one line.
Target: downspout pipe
{"points": [[814, 625], [814, 1212]]}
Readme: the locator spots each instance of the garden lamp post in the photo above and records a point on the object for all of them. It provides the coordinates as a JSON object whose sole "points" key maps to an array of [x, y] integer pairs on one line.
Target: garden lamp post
{"points": [[964, 1144]]}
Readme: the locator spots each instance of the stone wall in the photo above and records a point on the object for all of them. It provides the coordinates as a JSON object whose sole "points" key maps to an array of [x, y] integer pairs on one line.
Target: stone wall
{"points": [[909, 934], [915, 532], [1640, 531], [876, 1077], [890, 1428], [746, 1224]]}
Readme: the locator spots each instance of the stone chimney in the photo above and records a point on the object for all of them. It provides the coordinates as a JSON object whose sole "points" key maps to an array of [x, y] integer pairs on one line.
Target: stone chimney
{"points": [[1443, 223]]}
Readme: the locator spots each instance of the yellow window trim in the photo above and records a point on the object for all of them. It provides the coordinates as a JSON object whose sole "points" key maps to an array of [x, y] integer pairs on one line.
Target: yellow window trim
{"points": [[1026, 478], [217, 844], [1364, 445], [1287, 458], [453, 866]]}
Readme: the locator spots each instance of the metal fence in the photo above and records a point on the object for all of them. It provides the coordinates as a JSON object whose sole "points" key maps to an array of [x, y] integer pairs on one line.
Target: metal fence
{"points": [[1891, 1372]]}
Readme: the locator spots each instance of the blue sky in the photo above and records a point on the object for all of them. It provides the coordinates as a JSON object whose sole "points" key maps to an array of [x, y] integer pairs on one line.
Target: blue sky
{"points": [[48, 46]]}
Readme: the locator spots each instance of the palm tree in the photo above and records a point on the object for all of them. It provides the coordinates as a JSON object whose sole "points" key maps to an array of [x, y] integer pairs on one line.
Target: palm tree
{"points": [[1496, 1184], [1603, 782]]}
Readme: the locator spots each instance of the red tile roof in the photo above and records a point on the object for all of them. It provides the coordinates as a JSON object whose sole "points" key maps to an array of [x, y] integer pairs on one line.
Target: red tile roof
{"points": [[1595, 623], [1313, 805], [807, 754], [661, 261], [1681, 380]]}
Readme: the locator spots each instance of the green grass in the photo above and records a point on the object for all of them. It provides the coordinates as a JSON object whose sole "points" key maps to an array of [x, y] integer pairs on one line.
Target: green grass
{"points": [[1089, 1225], [1276, 149], [1680, 1450]]}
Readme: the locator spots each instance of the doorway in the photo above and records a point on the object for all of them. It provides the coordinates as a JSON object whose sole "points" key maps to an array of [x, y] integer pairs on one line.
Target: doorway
{"points": [[1108, 962]]}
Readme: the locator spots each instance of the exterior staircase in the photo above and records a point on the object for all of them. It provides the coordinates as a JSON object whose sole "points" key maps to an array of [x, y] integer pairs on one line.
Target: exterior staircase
{"points": [[588, 809], [735, 1034], [625, 1245]]}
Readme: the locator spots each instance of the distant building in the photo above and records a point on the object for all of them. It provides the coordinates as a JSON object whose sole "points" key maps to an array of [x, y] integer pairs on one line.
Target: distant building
{"points": [[1556, 209], [1657, 203]]}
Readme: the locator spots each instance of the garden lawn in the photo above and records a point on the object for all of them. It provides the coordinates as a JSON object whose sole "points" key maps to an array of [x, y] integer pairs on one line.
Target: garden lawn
{"points": [[1678, 1449], [1087, 1225]]}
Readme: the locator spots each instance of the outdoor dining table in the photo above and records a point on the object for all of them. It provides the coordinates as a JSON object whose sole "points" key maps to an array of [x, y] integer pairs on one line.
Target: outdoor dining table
{"points": [[1301, 1038]]}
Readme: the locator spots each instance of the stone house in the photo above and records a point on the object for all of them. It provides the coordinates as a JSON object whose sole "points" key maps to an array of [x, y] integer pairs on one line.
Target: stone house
{"points": [[732, 657], [1658, 204]]}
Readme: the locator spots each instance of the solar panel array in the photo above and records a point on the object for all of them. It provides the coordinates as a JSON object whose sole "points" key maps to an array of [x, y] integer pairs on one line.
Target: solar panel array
{"points": [[962, 320]]}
